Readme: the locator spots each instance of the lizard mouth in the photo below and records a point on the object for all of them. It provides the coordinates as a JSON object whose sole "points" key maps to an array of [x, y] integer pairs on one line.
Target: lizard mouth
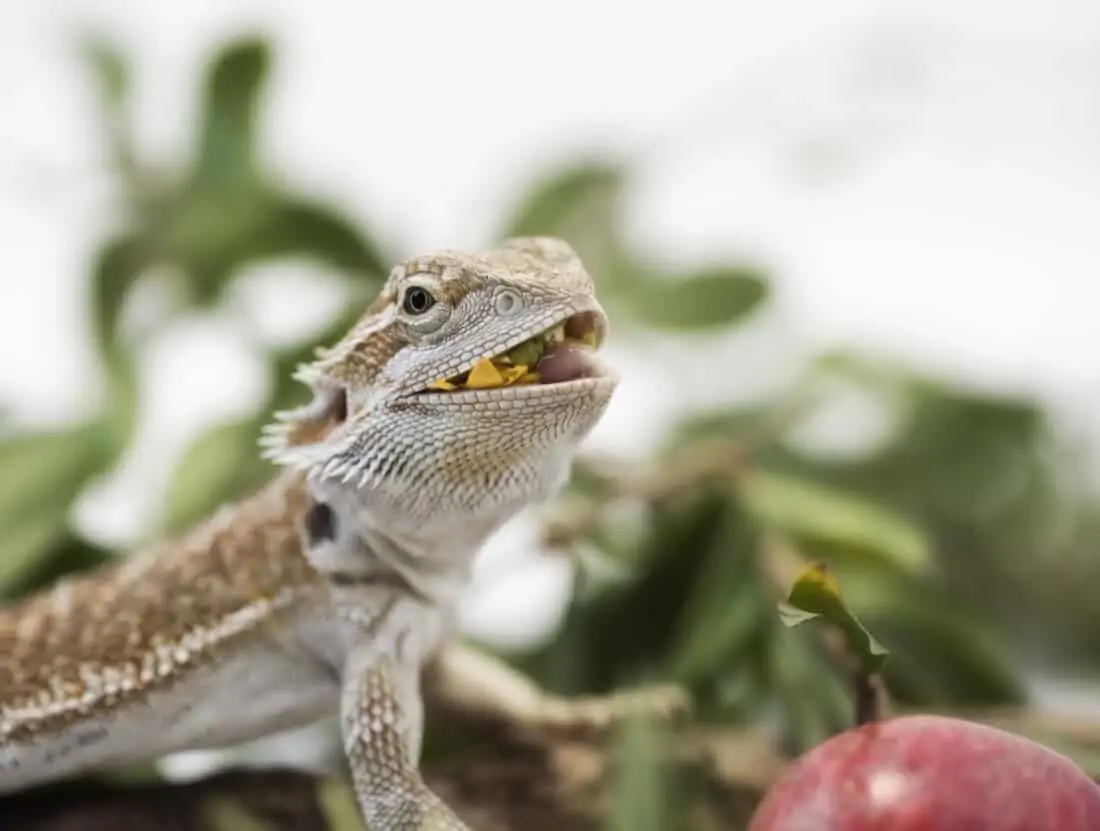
{"points": [[560, 354]]}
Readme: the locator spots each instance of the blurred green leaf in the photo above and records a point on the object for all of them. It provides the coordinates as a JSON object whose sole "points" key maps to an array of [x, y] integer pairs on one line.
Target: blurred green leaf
{"points": [[986, 457], [940, 654], [40, 476], [622, 634], [222, 464], [118, 264], [719, 635], [295, 226], [709, 299], [725, 607], [25, 540], [227, 135], [942, 650], [64, 554], [229, 814], [991, 481], [823, 516], [816, 593], [338, 804], [580, 204], [112, 76], [557, 200], [208, 235], [213, 235], [48, 467], [640, 799], [814, 702], [110, 70]]}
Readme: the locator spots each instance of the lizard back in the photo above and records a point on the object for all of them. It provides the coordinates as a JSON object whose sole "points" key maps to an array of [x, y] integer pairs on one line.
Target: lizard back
{"points": [[99, 641]]}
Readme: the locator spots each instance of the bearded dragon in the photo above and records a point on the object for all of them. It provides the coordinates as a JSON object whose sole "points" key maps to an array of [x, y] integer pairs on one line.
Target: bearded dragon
{"points": [[329, 590]]}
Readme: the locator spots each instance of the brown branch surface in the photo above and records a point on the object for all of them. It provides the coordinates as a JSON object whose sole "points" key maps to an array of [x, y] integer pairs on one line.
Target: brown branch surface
{"points": [[509, 783]]}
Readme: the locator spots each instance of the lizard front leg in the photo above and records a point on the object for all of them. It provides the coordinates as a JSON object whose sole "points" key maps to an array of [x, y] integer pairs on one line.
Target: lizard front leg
{"points": [[468, 681], [382, 720]]}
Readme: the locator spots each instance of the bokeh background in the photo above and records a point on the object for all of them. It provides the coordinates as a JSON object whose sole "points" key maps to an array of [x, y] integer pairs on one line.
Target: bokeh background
{"points": [[849, 250]]}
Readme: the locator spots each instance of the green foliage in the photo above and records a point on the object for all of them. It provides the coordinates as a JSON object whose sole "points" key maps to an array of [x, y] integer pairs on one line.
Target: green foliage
{"points": [[231, 100], [223, 212], [339, 805], [111, 75], [223, 460], [640, 792], [697, 605], [705, 299], [580, 204], [225, 814], [825, 519], [41, 475]]}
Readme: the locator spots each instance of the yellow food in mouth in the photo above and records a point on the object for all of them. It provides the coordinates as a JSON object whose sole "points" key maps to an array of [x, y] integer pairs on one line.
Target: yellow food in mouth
{"points": [[519, 365], [487, 374]]}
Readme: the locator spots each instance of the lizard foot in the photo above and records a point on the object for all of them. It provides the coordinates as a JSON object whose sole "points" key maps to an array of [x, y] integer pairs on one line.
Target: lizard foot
{"points": [[596, 715]]}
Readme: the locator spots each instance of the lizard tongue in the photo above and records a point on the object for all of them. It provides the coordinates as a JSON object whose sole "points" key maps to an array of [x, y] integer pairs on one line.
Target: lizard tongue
{"points": [[568, 361]]}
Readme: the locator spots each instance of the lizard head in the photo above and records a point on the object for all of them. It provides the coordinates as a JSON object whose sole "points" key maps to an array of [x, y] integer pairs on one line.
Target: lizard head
{"points": [[464, 388]]}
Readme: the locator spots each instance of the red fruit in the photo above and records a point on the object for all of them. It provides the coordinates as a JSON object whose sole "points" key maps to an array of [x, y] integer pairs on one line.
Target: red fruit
{"points": [[930, 773]]}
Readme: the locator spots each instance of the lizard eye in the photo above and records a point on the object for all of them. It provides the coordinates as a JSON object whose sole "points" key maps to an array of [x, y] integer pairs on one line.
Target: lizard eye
{"points": [[417, 300]]}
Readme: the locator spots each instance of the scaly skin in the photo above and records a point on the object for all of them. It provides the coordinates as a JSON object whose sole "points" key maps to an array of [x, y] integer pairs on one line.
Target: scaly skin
{"points": [[333, 587]]}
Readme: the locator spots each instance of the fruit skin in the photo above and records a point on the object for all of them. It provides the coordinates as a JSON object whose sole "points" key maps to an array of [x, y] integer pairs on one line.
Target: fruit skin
{"points": [[930, 773]]}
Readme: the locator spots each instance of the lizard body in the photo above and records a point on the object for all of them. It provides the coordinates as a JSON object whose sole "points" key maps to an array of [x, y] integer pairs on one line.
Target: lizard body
{"points": [[173, 649], [330, 589]]}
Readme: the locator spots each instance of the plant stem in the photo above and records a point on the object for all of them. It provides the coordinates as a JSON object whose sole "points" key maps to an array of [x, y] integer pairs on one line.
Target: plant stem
{"points": [[869, 700]]}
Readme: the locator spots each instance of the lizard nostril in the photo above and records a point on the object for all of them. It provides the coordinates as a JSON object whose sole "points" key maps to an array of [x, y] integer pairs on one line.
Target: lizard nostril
{"points": [[508, 302]]}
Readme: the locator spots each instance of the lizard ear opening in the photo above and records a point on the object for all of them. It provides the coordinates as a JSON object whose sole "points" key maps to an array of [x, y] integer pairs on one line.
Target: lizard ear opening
{"points": [[308, 425], [315, 426]]}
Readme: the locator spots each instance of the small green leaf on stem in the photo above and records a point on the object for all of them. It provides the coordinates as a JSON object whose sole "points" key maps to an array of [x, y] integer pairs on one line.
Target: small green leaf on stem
{"points": [[816, 594]]}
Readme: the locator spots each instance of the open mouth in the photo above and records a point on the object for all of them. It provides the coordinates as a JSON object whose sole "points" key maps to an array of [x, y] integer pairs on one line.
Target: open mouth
{"points": [[564, 352]]}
